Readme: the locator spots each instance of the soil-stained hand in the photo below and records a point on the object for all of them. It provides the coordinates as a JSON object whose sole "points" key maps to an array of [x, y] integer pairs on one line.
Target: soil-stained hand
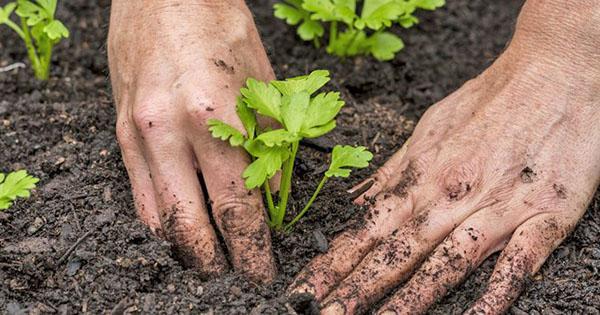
{"points": [[507, 163], [174, 65]]}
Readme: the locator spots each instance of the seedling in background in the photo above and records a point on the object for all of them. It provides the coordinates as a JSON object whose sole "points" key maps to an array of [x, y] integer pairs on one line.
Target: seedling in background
{"points": [[38, 29], [292, 105], [352, 31], [14, 185]]}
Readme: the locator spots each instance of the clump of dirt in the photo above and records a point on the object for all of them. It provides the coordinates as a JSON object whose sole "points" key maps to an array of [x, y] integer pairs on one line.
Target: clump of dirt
{"points": [[76, 246]]}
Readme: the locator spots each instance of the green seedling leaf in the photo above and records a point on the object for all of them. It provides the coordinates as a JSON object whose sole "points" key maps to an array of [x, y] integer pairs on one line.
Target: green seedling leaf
{"points": [[429, 4], [6, 11], [383, 46], [247, 117], [345, 157], [262, 97], [293, 110], [14, 185], [307, 83], [319, 131], [377, 14], [277, 137], [264, 167], [322, 109], [352, 42], [291, 15], [310, 29], [225, 132], [56, 30], [408, 21]]}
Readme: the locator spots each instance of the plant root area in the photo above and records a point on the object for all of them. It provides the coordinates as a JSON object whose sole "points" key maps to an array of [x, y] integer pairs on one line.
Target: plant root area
{"points": [[76, 246]]}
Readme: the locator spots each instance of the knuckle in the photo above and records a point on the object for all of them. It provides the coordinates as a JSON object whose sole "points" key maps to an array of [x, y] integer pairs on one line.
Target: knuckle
{"points": [[238, 216], [149, 113], [459, 178]]}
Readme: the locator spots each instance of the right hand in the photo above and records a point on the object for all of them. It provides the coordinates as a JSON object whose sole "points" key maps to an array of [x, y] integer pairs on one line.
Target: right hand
{"points": [[174, 65]]}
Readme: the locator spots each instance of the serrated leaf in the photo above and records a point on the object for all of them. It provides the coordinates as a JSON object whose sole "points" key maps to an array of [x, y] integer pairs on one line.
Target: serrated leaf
{"points": [[379, 13], [277, 137], [322, 109], [14, 185], [264, 167], [30, 10], [262, 97], [247, 116], [408, 21], [429, 4], [328, 10], [293, 110], [310, 29], [288, 13], [345, 157], [6, 11], [318, 131], [225, 132], [349, 43], [48, 5], [56, 30], [384, 46], [309, 83]]}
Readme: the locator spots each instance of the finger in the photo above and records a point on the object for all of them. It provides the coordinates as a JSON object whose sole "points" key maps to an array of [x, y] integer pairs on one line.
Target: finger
{"points": [[238, 212], [525, 253], [350, 247], [462, 251], [383, 178], [181, 205], [393, 260], [139, 175]]}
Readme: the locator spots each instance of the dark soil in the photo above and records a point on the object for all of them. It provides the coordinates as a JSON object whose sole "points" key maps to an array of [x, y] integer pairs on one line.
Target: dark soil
{"points": [[63, 132]]}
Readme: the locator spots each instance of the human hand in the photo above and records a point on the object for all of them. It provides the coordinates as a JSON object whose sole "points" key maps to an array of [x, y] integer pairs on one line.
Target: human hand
{"points": [[507, 163], [174, 65]]}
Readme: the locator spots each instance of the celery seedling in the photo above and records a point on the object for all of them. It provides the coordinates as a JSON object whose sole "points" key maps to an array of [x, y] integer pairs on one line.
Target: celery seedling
{"points": [[13, 185], [38, 29], [291, 104], [352, 31]]}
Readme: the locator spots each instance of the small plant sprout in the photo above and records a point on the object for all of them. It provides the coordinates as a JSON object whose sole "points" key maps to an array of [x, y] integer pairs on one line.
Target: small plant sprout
{"points": [[291, 103], [38, 29], [352, 31], [14, 185]]}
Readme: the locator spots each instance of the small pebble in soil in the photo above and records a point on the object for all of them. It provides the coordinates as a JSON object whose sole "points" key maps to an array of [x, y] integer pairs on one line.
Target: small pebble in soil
{"points": [[320, 241], [35, 226], [171, 288], [235, 291], [73, 266]]}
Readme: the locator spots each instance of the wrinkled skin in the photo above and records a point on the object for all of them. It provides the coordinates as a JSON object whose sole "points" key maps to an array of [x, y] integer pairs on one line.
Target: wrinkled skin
{"points": [[174, 65], [507, 163]]}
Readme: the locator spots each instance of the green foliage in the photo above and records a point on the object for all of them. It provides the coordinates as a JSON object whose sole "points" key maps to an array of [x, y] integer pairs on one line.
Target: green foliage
{"points": [[38, 29], [352, 33], [291, 103], [14, 185]]}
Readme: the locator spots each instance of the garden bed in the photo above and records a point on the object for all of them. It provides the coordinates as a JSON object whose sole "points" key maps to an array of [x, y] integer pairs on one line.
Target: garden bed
{"points": [[76, 246]]}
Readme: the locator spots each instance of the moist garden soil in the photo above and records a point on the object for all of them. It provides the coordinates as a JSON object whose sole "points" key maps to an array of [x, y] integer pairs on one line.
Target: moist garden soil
{"points": [[76, 246]]}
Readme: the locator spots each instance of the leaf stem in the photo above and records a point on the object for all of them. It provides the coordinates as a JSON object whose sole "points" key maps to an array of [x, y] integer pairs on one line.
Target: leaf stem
{"points": [[286, 183], [333, 30], [307, 206], [15, 28], [31, 52], [272, 210]]}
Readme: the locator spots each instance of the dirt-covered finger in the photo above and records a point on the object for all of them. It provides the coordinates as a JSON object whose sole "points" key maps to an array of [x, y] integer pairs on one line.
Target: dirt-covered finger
{"points": [[462, 251], [181, 204], [139, 175], [238, 212], [525, 253], [347, 250]]}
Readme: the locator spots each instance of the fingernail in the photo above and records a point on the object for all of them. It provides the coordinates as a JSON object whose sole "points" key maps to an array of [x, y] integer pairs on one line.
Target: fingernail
{"points": [[357, 191], [333, 309]]}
